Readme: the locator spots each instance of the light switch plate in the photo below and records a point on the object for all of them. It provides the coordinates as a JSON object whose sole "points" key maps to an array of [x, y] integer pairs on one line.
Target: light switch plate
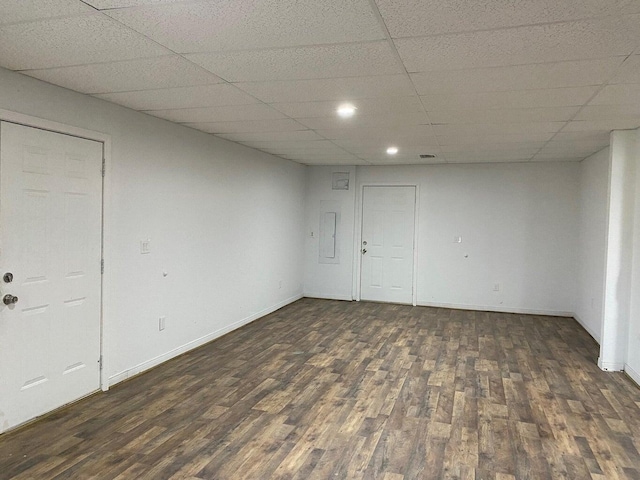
{"points": [[145, 246]]}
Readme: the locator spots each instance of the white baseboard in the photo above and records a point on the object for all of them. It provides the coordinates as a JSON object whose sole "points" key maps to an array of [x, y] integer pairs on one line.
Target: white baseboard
{"points": [[119, 377], [496, 308], [610, 366], [633, 375], [328, 296], [587, 328]]}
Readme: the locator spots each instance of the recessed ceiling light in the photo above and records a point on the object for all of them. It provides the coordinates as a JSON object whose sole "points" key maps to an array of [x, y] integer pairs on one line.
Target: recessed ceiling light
{"points": [[392, 150], [347, 110]]}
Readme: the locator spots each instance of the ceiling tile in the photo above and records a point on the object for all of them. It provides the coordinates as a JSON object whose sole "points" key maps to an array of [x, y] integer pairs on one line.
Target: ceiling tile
{"points": [[337, 89], [324, 61], [328, 160], [520, 77], [306, 146], [181, 97], [601, 125], [223, 113], [333, 162], [321, 156], [558, 158], [623, 94], [497, 155], [458, 140], [597, 38], [293, 152], [518, 150], [13, 11], [514, 115], [377, 150], [565, 154], [595, 135], [105, 4], [408, 18], [514, 157], [71, 41], [614, 112], [365, 121], [301, 135], [295, 146], [161, 72], [249, 126], [629, 71], [236, 25], [422, 133], [364, 106], [464, 159], [398, 160], [408, 146], [581, 146], [569, 151], [555, 97], [486, 149], [497, 128]]}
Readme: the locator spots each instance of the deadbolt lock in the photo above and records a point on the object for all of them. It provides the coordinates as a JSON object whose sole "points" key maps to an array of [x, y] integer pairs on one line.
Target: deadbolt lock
{"points": [[9, 300], [8, 277]]}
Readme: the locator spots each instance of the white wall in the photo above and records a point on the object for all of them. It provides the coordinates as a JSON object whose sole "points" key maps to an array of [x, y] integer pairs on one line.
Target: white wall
{"points": [[327, 280], [519, 228], [224, 222], [594, 184], [518, 224]]}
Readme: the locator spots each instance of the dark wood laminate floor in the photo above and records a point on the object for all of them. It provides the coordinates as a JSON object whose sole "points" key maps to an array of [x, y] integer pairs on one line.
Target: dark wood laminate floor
{"points": [[326, 389]]}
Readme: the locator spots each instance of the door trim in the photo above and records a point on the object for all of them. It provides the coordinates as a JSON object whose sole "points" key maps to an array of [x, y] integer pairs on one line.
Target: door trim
{"points": [[105, 139], [357, 264]]}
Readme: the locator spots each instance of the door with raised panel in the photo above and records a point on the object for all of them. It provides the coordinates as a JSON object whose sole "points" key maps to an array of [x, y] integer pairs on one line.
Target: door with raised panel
{"points": [[51, 243], [388, 216]]}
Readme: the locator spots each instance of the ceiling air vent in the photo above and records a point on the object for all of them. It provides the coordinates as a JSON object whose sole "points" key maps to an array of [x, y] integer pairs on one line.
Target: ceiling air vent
{"points": [[427, 155]]}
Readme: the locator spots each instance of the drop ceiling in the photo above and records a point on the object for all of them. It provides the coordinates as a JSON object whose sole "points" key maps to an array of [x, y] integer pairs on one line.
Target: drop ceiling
{"points": [[482, 81]]}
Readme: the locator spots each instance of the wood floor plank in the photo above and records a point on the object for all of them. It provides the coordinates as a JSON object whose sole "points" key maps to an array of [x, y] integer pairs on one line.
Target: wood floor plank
{"points": [[327, 389]]}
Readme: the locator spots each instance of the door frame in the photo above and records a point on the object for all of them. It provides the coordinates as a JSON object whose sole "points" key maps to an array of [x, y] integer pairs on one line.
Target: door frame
{"points": [[359, 217], [105, 284]]}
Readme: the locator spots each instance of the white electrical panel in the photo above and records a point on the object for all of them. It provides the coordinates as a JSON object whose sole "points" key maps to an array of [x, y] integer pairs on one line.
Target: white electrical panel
{"points": [[328, 237], [329, 232]]}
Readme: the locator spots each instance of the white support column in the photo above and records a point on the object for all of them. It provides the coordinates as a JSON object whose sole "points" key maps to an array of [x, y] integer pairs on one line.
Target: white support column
{"points": [[632, 365], [620, 249]]}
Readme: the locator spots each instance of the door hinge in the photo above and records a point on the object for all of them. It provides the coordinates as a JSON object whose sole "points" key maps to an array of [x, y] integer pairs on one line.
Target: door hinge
{"points": [[104, 166], [100, 362], [102, 266]]}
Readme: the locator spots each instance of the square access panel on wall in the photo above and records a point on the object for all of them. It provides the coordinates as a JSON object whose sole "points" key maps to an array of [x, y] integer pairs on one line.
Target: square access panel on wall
{"points": [[340, 181]]}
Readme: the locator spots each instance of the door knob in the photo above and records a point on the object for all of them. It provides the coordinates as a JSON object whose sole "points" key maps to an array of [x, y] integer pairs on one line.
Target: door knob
{"points": [[364, 250], [9, 300]]}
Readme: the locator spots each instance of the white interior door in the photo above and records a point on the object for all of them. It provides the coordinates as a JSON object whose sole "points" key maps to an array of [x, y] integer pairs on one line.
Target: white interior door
{"points": [[387, 244], [50, 240]]}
